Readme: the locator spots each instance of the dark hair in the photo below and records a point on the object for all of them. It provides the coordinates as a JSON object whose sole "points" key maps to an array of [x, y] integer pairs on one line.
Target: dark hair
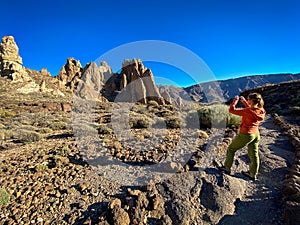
{"points": [[257, 99]]}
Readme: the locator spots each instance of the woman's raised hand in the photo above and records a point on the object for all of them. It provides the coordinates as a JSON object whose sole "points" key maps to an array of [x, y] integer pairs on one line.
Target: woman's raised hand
{"points": [[242, 98], [235, 100]]}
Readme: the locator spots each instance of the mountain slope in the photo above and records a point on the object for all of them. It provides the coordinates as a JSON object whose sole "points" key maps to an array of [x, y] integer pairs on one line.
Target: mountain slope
{"points": [[223, 90]]}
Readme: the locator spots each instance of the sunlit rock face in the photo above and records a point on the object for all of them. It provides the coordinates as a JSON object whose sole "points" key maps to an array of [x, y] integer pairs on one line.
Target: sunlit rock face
{"points": [[136, 80], [11, 64]]}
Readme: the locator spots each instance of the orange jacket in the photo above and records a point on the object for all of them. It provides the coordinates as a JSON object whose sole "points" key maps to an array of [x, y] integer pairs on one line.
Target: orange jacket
{"points": [[251, 117]]}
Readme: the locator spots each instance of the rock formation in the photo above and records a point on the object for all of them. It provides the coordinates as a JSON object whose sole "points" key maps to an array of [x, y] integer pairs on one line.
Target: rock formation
{"points": [[11, 64], [70, 73], [105, 70], [166, 96], [45, 72], [135, 83], [91, 82]]}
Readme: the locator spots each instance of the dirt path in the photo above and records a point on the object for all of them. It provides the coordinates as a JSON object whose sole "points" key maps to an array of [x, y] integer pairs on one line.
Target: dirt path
{"points": [[261, 203]]}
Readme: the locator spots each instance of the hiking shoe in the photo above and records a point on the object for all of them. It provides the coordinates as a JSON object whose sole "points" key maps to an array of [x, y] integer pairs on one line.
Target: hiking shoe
{"points": [[221, 167], [247, 174]]}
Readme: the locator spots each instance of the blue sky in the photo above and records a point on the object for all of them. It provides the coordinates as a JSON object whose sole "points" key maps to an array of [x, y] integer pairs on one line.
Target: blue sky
{"points": [[233, 38]]}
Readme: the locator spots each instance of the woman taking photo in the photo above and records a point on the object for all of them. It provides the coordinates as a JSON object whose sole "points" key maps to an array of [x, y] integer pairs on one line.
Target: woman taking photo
{"points": [[248, 134]]}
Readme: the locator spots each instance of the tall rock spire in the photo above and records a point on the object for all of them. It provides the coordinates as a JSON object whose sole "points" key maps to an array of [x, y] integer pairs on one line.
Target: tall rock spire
{"points": [[11, 64]]}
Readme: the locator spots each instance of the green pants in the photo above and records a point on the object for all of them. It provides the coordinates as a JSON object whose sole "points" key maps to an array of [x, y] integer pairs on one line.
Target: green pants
{"points": [[241, 140]]}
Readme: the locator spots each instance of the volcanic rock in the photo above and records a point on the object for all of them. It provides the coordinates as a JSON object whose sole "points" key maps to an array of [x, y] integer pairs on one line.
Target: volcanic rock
{"points": [[135, 83], [70, 73], [11, 64], [91, 83]]}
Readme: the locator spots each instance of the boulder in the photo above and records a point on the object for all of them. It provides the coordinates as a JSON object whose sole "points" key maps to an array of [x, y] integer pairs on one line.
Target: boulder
{"points": [[200, 198]]}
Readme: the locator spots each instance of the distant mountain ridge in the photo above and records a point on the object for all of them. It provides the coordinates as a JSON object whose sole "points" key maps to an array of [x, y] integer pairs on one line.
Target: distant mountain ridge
{"points": [[223, 90]]}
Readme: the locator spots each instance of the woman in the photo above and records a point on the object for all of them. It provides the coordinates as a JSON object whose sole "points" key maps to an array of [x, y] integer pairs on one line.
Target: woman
{"points": [[248, 134]]}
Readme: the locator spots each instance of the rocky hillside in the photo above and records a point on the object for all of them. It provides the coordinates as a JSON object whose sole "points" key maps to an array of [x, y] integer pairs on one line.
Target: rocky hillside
{"points": [[68, 155]]}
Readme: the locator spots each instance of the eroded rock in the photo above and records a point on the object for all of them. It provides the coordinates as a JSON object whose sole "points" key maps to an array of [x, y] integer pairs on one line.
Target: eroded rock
{"points": [[11, 64]]}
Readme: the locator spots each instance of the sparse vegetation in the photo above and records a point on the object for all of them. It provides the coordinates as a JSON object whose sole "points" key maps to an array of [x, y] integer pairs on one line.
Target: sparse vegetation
{"points": [[85, 129], [64, 150], [217, 116], [45, 130], [4, 197], [41, 167], [104, 129], [5, 134], [56, 180], [59, 125], [153, 103], [4, 113], [174, 122], [27, 135], [139, 121]]}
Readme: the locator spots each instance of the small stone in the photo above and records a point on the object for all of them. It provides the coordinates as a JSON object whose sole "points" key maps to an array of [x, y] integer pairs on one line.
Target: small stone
{"points": [[83, 186], [18, 194], [85, 197], [133, 192], [115, 203]]}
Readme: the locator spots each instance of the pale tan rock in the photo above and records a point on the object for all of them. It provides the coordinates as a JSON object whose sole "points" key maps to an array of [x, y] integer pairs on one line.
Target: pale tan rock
{"points": [[135, 83], [43, 86], [11, 64], [70, 73], [120, 216], [115, 203], [45, 72]]}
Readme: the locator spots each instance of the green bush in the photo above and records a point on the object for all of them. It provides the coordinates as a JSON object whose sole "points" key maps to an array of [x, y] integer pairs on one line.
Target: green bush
{"points": [[204, 114], [103, 129], [58, 125], [153, 103], [233, 120], [85, 129], [27, 135], [4, 197], [45, 130], [139, 121], [64, 150], [217, 116], [5, 134], [174, 122], [4, 113], [41, 167]]}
